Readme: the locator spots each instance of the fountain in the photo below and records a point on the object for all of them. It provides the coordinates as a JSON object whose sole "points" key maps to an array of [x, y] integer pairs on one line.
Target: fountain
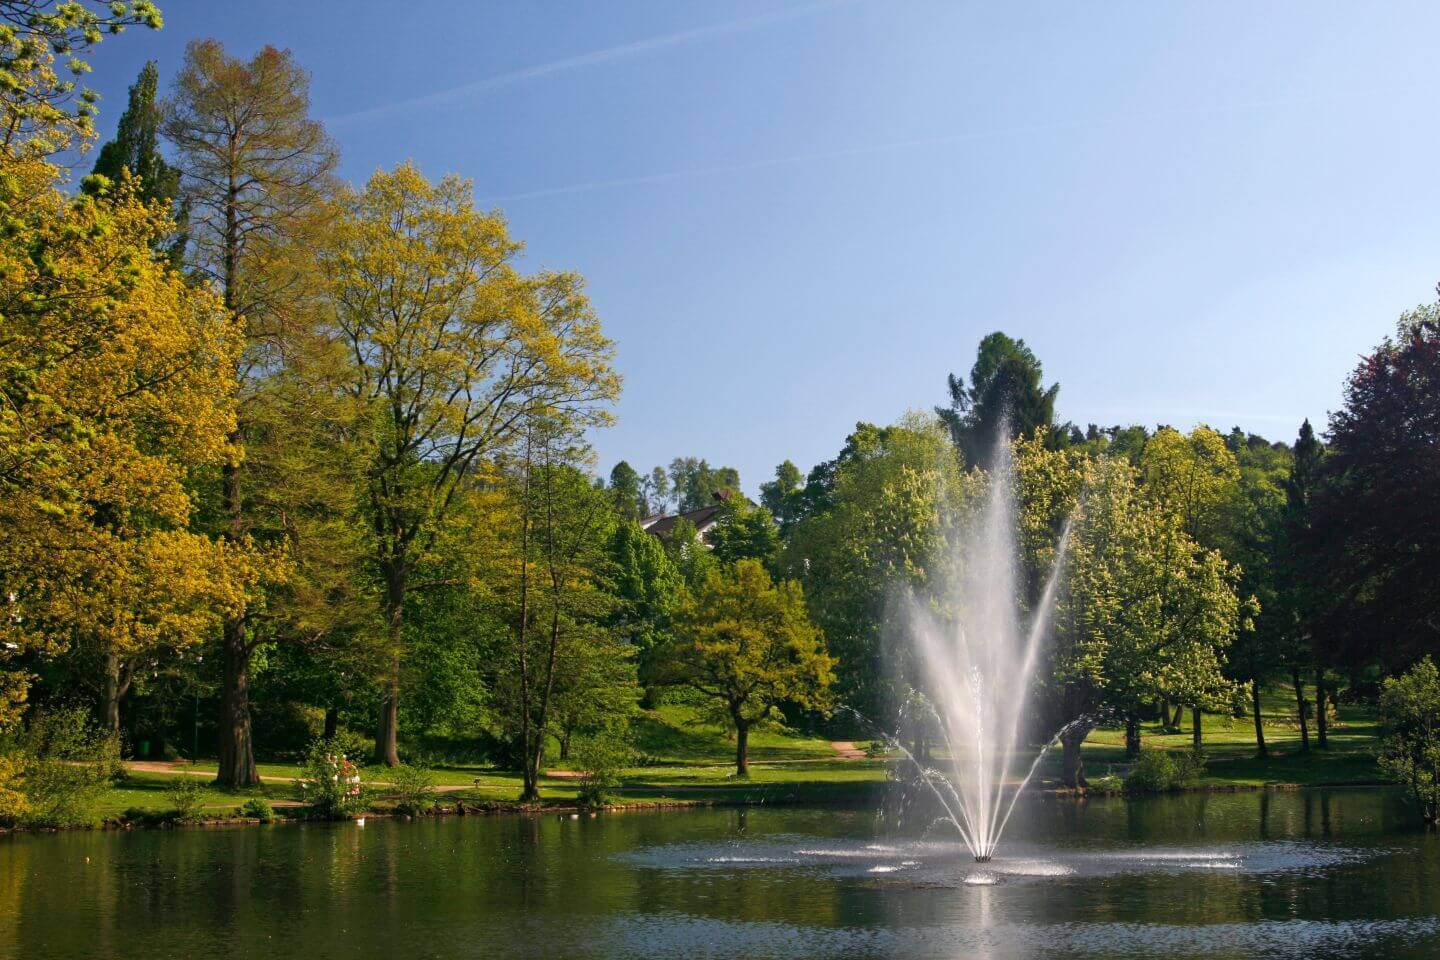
{"points": [[977, 664]]}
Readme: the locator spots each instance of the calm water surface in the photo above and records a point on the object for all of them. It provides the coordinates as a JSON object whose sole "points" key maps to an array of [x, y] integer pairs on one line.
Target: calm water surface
{"points": [[1319, 874]]}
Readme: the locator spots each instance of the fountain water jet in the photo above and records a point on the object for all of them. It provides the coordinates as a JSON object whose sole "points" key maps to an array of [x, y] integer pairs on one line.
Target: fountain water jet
{"points": [[978, 666]]}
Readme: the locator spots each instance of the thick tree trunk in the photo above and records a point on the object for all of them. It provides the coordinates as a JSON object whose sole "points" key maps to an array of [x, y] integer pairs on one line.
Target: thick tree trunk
{"points": [[1301, 708], [332, 723], [113, 693], [1197, 737], [1321, 740], [742, 748], [1072, 761], [1260, 749], [237, 753], [387, 734], [1132, 736]]}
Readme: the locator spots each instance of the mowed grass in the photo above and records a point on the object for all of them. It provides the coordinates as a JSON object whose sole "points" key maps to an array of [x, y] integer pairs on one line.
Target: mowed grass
{"points": [[688, 758], [1230, 749]]}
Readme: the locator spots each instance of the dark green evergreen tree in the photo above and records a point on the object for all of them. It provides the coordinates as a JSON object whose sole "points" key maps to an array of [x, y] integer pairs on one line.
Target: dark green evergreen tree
{"points": [[136, 148], [1005, 388]]}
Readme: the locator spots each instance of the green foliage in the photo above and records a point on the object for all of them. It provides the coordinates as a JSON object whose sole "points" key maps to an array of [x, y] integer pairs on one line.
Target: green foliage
{"points": [[186, 796], [601, 757], [784, 496], [625, 490], [1160, 771], [695, 482], [330, 783], [1374, 519], [1410, 736], [745, 532], [747, 643], [258, 808], [646, 584], [412, 787], [1004, 389], [872, 522], [69, 763]]}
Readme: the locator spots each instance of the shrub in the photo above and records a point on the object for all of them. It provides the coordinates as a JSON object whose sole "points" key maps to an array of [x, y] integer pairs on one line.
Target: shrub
{"points": [[1158, 771], [330, 783], [186, 796], [357, 746], [600, 758], [1410, 734], [258, 808], [1189, 768], [413, 788], [69, 763], [1153, 772]]}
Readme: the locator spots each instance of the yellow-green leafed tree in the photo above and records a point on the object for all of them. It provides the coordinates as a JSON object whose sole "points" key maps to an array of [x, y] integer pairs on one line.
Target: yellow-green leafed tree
{"points": [[43, 108], [451, 352], [1145, 612], [113, 377], [747, 643]]}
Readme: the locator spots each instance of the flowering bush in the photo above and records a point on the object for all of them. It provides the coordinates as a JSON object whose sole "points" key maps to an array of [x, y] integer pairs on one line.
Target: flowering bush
{"points": [[330, 783]]}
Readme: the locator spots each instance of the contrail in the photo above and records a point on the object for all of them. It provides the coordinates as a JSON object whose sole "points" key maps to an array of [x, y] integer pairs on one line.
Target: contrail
{"points": [[891, 146], [608, 55]]}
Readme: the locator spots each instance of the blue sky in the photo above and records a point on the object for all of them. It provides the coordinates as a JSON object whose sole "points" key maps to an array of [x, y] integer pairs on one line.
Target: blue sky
{"points": [[798, 215]]}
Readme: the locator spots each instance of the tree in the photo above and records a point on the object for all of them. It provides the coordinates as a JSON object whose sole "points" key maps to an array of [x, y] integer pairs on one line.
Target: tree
{"points": [[1196, 479], [1302, 577], [696, 483], [1261, 550], [871, 523], [1145, 613], [625, 489], [747, 642], [782, 496], [113, 374], [135, 152], [646, 584], [561, 668], [1410, 751], [40, 113], [745, 532], [1374, 529], [656, 491], [255, 169], [452, 355], [1004, 389]]}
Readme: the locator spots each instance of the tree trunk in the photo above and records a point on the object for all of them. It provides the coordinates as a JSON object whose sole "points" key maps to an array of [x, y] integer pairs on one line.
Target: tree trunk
{"points": [[1197, 738], [387, 735], [1132, 736], [1260, 749], [1072, 761], [237, 754], [332, 723], [742, 749], [1320, 719], [387, 740], [112, 693], [1301, 708]]}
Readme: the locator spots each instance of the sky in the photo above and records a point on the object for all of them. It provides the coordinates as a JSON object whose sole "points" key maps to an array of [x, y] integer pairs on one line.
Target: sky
{"points": [[794, 216]]}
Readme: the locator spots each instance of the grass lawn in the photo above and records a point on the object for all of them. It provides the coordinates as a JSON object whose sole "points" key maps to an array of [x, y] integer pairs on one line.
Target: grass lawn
{"points": [[689, 759]]}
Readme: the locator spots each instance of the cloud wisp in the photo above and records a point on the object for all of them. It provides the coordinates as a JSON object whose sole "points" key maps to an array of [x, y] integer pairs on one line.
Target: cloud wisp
{"points": [[891, 146], [624, 51]]}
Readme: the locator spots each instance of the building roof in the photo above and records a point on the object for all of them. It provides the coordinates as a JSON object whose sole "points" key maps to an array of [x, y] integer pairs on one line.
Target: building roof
{"points": [[703, 518]]}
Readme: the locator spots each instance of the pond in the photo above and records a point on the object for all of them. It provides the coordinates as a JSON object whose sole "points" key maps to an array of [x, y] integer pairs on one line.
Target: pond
{"points": [[1321, 873]]}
